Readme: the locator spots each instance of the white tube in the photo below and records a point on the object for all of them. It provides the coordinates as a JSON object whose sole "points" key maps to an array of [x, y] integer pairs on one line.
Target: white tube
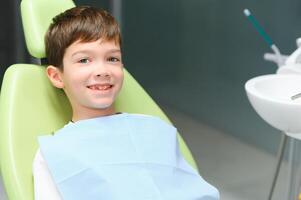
{"points": [[280, 60]]}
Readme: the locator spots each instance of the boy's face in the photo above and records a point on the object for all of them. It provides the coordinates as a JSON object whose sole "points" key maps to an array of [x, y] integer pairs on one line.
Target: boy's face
{"points": [[92, 77]]}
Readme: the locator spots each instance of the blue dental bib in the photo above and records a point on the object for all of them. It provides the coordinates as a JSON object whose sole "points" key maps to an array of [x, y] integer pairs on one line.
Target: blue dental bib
{"points": [[122, 157]]}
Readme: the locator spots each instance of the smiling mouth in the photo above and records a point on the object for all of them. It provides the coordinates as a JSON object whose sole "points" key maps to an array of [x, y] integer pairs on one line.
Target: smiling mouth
{"points": [[100, 87]]}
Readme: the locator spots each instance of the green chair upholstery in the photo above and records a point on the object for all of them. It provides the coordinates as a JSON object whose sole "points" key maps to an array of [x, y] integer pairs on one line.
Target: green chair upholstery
{"points": [[30, 106], [36, 17]]}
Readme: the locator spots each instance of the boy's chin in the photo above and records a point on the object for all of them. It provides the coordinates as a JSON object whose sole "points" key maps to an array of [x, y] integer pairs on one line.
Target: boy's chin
{"points": [[103, 106]]}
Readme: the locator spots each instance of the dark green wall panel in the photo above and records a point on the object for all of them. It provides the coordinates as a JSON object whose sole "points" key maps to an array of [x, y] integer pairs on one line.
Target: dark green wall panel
{"points": [[196, 56]]}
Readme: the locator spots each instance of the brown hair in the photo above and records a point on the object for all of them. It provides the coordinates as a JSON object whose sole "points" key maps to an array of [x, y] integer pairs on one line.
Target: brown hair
{"points": [[83, 23]]}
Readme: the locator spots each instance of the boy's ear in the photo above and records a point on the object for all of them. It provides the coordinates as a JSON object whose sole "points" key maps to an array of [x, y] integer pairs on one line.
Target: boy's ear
{"points": [[55, 76]]}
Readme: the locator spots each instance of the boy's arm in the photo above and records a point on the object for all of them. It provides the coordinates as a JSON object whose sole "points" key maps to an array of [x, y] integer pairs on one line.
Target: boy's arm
{"points": [[44, 187]]}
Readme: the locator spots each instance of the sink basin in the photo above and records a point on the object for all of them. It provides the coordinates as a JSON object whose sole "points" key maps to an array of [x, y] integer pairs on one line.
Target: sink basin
{"points": [[270, 95], [290, 69]]}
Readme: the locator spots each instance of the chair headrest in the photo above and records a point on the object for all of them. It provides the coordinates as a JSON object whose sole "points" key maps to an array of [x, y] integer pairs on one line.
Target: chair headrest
{"points": [[36, 17]]}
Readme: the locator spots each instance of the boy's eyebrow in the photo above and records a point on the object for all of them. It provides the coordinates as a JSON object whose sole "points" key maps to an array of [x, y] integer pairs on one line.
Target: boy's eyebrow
{"points": [[114, 50], [89, 51]]}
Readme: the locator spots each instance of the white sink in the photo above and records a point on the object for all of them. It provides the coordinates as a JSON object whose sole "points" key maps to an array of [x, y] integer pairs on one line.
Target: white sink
{"points": [[290, 69], [270, 95]]}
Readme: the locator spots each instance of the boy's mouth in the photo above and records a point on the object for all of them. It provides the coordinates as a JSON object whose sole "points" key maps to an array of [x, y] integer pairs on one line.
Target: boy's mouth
{"points": [[101, 87]]}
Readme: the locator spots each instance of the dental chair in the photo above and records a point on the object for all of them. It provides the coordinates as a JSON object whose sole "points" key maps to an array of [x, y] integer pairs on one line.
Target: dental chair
{"points": [[30, 106]]}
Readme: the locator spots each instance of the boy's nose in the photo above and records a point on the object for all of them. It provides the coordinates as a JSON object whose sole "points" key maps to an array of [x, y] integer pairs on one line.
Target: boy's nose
{"points": [[101, 71], [103, 74]]}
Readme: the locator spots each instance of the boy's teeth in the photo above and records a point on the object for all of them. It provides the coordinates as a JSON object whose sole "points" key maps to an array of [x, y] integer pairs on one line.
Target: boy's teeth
{"points": [[99, 87], [103, 87]]}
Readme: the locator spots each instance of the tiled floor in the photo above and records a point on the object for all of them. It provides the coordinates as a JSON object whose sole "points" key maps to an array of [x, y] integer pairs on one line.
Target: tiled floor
{"points": [[238, 170]]}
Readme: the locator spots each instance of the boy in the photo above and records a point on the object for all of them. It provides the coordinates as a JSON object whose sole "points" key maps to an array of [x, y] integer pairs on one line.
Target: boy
{"points": [[102, 154]]}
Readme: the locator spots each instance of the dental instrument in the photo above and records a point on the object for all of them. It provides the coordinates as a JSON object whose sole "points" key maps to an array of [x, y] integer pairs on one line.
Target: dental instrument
{"points": [[280, 61], [278, 58], [287, 64], [296, 96]]}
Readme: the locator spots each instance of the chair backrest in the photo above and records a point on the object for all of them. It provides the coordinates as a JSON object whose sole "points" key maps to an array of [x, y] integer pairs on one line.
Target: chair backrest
{"points": [[31, 106], [36, 18]]}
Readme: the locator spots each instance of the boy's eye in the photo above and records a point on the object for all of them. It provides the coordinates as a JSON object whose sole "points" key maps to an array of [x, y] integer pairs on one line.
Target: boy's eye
{"points": [[113, 59], [84, 60]]}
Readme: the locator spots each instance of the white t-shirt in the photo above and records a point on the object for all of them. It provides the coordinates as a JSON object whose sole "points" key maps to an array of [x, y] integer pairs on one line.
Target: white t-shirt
{"points": [[44, 187]]}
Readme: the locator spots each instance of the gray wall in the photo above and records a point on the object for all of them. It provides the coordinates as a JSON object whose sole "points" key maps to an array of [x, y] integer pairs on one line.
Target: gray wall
{"points": [[197, 55]]}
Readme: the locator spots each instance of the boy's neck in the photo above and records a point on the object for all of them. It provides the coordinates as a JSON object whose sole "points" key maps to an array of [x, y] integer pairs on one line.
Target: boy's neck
{"points": [[92, 113]]}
